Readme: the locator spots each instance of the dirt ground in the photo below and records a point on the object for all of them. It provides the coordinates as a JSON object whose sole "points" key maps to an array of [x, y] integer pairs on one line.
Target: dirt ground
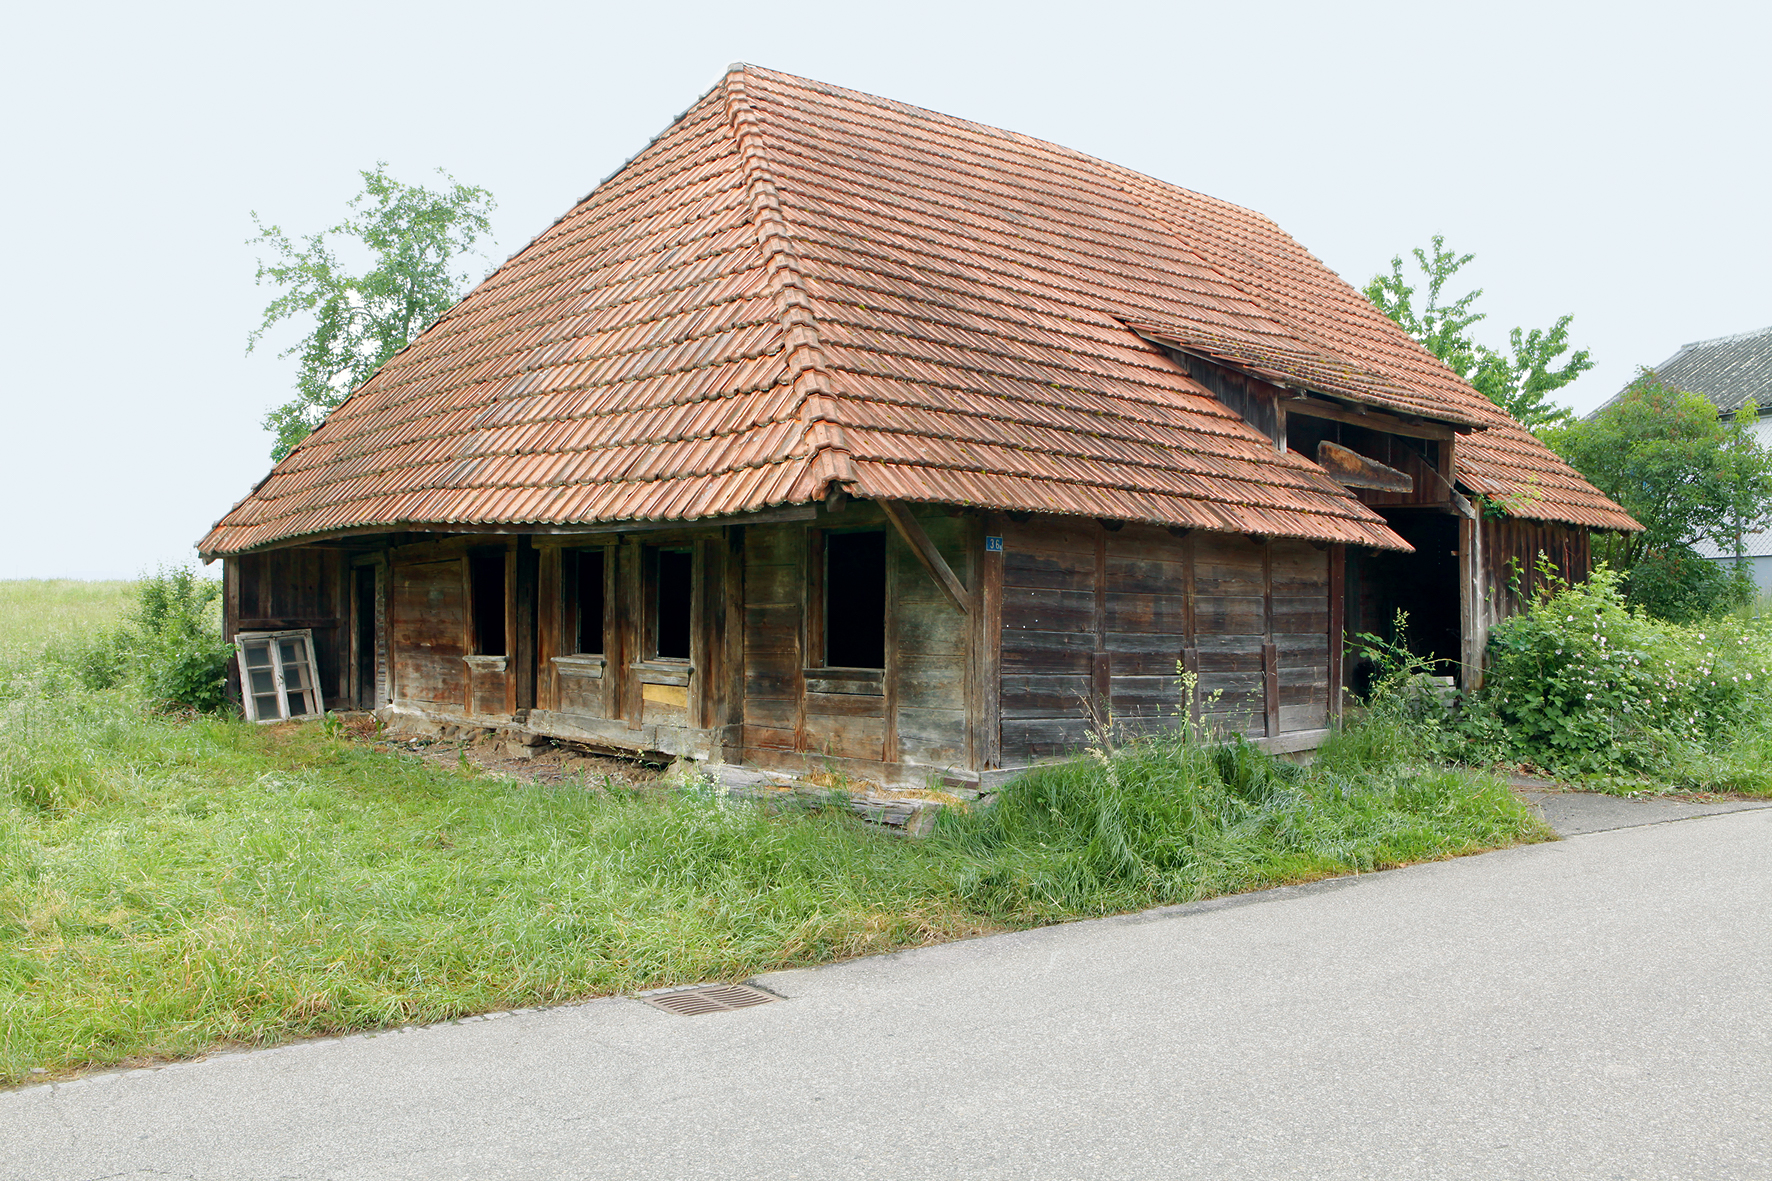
{"points": [[553, 762]]}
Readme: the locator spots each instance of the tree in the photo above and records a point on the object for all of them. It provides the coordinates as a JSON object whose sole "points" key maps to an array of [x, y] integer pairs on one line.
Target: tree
{"points": [[416, 239], [1686, 475], [1519, 380]]}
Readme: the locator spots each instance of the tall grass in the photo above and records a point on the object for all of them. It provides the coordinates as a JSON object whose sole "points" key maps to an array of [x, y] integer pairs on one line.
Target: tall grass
{"points": [[168, 884]]}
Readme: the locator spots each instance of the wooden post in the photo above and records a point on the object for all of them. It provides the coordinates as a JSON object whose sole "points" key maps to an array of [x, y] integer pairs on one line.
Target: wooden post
{"points": [[1473, 620], [987, 697], [1190, 626], [731, 622], [1270, 653], [1101, 683], [630, 628], [1337, 629], [525, 590]]}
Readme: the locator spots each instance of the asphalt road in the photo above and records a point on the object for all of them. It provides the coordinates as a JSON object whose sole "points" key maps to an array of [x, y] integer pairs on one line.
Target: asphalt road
{"points": [[1594, 1008]]}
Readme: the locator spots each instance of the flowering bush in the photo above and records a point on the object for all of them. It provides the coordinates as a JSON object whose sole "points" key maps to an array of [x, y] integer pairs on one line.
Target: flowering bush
{"points": [[1581, 683]]}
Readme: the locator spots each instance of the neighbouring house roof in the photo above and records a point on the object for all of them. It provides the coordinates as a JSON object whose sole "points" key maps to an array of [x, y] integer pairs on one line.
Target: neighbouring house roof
{"points": [[797, 285], [1729, 370]]}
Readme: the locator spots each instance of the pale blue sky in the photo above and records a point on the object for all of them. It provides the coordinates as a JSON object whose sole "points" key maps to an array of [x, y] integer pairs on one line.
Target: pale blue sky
{"points": [[1608, 160]]}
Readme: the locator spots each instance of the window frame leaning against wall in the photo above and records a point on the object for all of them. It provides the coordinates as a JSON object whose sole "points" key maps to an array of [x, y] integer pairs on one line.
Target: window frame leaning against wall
{"points": [[305, 666]]}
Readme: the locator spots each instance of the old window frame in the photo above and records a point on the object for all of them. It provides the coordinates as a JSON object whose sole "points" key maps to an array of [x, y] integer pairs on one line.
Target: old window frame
{"points": [[305, 666]]}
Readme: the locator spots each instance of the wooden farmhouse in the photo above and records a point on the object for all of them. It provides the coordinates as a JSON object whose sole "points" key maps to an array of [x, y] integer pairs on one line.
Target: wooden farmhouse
{"points": [[833, 432]]}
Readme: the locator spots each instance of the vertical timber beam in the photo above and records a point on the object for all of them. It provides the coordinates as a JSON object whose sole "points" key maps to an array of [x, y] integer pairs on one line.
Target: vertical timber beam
{"points": [[527, 620], [1472, 618], [1270, 652], [1337, 629], [1190, 626], [986, 703], [1100, 671], [731, 720]]}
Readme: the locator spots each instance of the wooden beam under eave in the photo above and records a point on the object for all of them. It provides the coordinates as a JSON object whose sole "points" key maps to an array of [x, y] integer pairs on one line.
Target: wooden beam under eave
{"points": [[1371, 419], [912, 531]]}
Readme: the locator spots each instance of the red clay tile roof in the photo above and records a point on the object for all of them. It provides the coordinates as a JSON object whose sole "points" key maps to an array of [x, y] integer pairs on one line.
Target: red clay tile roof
{"points": [[797, 284]]}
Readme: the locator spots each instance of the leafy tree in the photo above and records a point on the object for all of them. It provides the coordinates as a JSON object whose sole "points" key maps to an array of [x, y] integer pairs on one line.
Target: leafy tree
{"points": [[1686, 475], [1519, 380], [416, 239]]}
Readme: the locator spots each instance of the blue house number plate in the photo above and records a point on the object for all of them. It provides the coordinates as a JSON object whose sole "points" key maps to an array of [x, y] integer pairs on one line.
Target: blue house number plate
{"points": [[993, 545]]}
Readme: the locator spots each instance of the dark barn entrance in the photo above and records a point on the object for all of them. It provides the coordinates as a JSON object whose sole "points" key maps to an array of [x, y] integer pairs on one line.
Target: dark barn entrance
{"points": [[1424, 585]]}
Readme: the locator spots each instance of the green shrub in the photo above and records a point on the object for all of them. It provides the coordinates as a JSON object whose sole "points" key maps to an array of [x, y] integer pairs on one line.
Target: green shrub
{"points": [[168, 648], [1580, 683]]}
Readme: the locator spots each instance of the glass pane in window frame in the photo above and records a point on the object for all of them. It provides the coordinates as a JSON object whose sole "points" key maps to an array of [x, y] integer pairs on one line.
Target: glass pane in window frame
{"points": [[288, 658]]}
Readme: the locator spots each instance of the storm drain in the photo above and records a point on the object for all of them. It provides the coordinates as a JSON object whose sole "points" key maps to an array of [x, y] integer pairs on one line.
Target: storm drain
{"points": [[707, 998]]}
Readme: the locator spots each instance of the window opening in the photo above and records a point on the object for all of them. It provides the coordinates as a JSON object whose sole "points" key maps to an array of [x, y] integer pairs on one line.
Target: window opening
{"points": [[277, 675], [590, 602], [486, 579], [672, 603], [855, 600]]}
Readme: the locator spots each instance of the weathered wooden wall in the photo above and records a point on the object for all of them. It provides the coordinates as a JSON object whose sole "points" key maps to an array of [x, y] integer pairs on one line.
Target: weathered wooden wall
{"points": [[1511, 547], [302, 586], [913, 711], [427, 628], [1097, 621]]}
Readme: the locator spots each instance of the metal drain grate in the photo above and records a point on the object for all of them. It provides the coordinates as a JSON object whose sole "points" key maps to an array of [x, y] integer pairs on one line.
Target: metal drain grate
{"points": [[707, 998]]}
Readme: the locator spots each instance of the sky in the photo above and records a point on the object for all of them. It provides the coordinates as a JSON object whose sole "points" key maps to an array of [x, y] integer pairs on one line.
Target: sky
{"points": [[1605, 160]]}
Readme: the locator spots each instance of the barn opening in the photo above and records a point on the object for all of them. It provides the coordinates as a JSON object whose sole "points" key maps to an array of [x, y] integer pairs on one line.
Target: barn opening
{"points": [[855, 600], [1423, 585], [486, 588]]}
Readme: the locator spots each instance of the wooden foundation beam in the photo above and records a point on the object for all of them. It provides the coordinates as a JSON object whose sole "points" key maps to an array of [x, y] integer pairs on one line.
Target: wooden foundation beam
{"points": [[912, 532]]}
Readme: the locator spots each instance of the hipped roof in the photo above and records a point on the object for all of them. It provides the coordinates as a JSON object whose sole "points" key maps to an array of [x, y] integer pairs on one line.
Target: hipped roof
{"points": [[796, 285]]}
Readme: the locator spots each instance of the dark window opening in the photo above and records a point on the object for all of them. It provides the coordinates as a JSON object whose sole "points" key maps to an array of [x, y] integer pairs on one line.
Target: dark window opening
{"points": [[366, 686], [486, 584], [590, 602], [855, 600], [672, 606]]}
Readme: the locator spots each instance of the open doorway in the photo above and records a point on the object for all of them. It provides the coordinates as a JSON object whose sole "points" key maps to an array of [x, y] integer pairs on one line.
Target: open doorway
{"points": [[1424, 585]]}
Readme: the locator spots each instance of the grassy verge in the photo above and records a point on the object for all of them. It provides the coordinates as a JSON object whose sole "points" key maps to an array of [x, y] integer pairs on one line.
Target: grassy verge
{"points": [[169, 885]]}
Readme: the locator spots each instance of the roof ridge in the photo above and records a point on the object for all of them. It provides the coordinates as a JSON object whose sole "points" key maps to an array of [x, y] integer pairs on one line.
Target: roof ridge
{"points": [[1734, 336], [808, 369]]}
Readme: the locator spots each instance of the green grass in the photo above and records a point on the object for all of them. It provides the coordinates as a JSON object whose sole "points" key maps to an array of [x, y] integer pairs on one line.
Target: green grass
{"points": [[39, 613], [168, 885]]}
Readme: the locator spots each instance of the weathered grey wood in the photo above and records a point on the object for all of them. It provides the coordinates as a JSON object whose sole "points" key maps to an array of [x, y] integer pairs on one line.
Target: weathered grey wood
{"points": [[985, 700], [925, 552], [931, 737]]}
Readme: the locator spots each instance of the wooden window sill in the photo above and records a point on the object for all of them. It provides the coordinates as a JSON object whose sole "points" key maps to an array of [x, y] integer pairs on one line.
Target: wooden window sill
{"points": [[662, 672], [580, 666]]}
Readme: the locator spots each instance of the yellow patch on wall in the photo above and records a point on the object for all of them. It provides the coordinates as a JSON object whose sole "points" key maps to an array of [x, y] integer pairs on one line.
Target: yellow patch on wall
{"points": [[676, 695]]}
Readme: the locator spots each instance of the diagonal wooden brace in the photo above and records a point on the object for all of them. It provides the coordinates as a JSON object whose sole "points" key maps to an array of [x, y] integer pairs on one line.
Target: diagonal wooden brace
{"points": [[938, 568]]}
